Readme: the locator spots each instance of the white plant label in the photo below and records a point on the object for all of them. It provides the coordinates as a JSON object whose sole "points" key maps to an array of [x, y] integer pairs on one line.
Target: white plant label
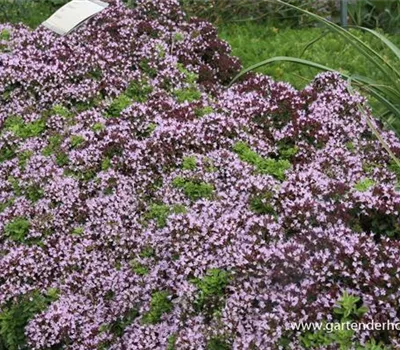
{"points": [[73, 14]]}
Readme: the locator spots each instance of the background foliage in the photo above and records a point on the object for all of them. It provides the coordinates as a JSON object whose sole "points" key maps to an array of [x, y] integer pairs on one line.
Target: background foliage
{"points": [[253, 42], [32, 12], [259, 11], [383, 14]]}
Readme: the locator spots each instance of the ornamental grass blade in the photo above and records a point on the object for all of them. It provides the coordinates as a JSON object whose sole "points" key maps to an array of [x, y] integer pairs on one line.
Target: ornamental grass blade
{"points": [[281, 59], [390, 92], [385, 40], [374, 130], [391, 108], [312, 42]]}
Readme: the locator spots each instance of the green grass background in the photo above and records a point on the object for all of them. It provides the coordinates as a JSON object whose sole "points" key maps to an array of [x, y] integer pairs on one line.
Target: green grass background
{"points": [[253, 43]]}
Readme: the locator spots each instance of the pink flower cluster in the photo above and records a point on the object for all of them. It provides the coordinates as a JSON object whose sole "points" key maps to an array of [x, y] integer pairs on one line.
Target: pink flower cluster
{"points": [[168, 211]]}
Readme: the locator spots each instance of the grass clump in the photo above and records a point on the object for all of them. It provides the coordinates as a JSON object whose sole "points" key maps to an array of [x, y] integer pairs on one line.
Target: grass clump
{"points": [[77, 141], [194, 190], [138, 268], [62, 159], [106, 164], [187, 95], [25, 130], [61, 111], [138, 91], [202, 111], [190, 77], [287, 152], [364, 185], [261, 204], [34, 193], [218, 343], [275, 168], [6, 204], [118, 326], [150, 129], [146, 67], [15, 186], [54, 145], [178, 37], [5, 35], [211, 289], [350, 146], [160, 213], [17, 229], [147, 252], [347, 310], [7, 152], [23, 158], [118, 105], [160, 304], [16, 315], [190, 93], [189, 163], [171, 342], [98, 127], [78, 231]]}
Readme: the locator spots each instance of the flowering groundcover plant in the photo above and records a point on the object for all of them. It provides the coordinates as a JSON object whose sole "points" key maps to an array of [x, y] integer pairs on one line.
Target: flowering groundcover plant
{"points": [[144, 205]]}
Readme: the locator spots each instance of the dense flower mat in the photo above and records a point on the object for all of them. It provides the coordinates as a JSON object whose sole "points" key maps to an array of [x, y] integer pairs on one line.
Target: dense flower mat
{"points": [[145, 205]]}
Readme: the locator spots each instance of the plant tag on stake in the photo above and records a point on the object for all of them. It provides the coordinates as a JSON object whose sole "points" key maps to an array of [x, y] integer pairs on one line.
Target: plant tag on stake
{"points": [[71, 15]]}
